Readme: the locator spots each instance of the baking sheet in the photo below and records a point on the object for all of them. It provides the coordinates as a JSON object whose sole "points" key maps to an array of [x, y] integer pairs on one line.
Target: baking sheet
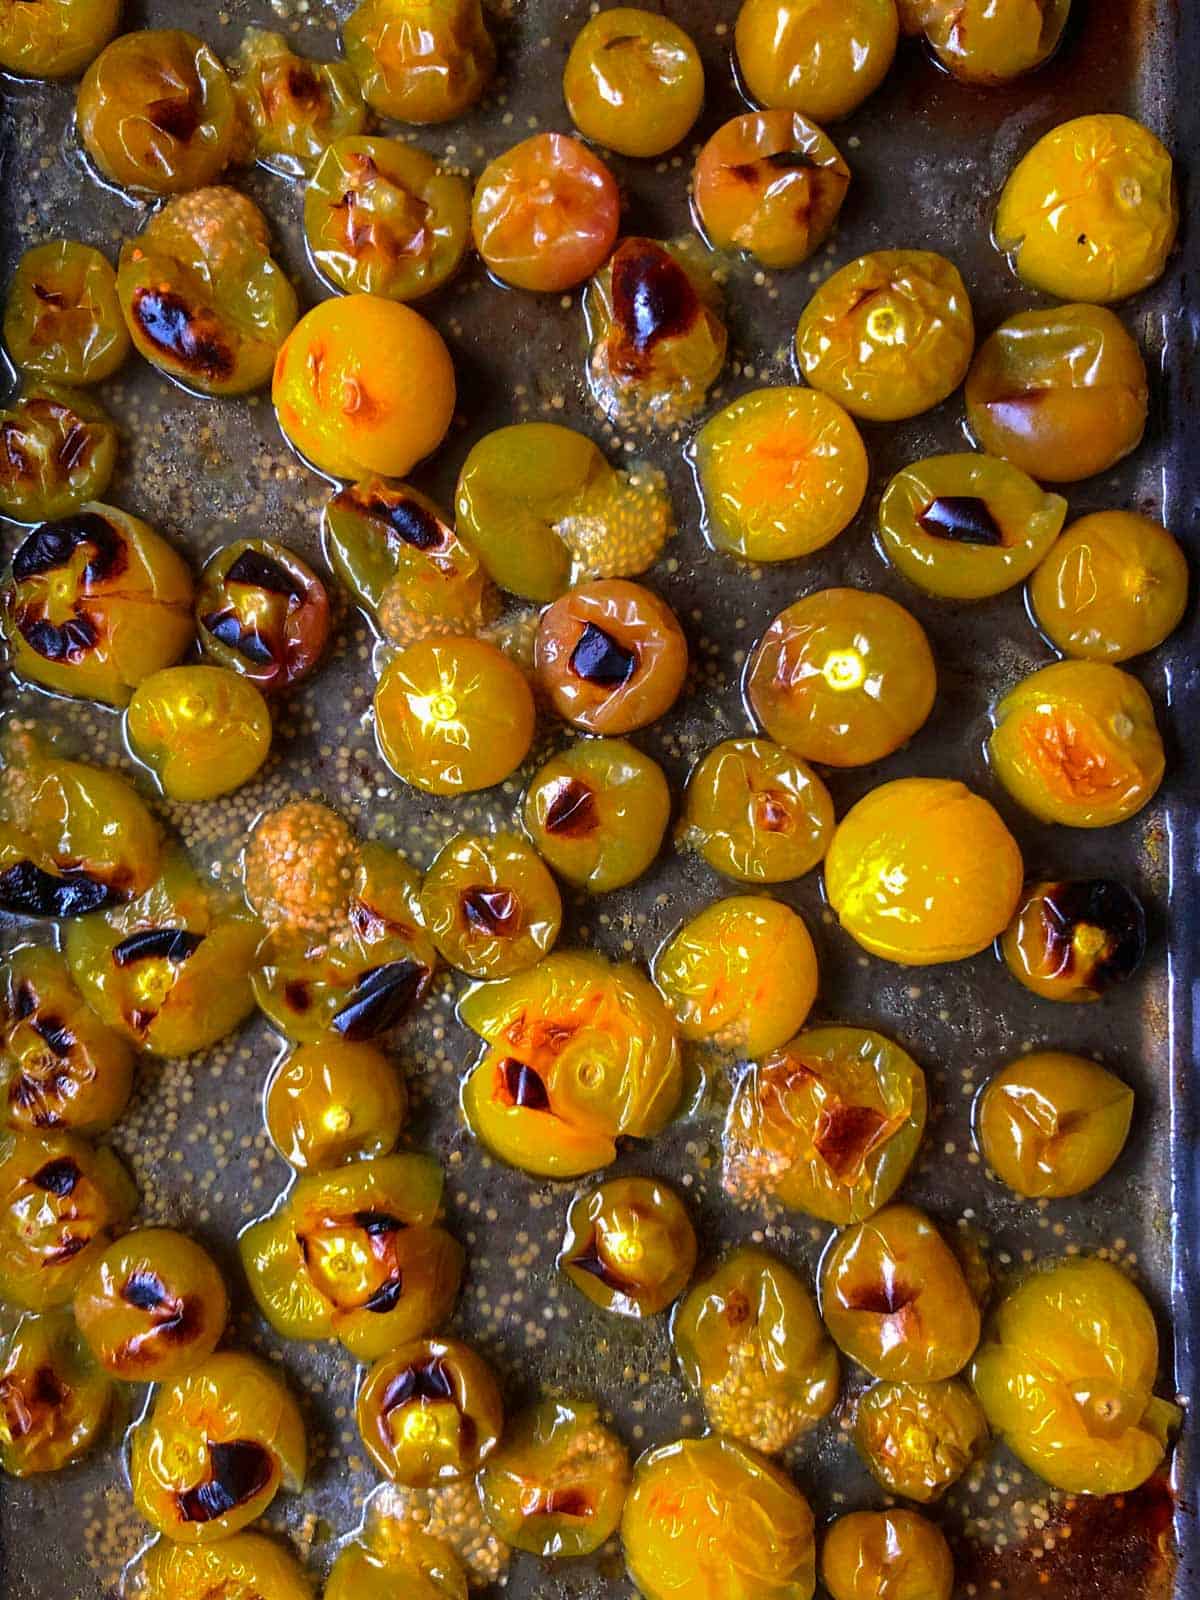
{"points": [[928, 158]]}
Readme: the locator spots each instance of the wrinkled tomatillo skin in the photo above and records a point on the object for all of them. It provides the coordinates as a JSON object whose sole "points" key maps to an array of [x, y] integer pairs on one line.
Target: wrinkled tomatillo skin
{"points": [[214, 1449], [843, 677], [980, 42], [262, 612], [750, 1341], [429, 1412], [546, 213], [245, 1566], [157, 112], [1091, 212], [1114, 586], [334, 1101], [1077, 743], [557, 1484], [490, 904], [888, 336], [579, 1054], [1075, 940], [420, 61], [712, 1520], [598, 813], [756, 813], [819, 57], [633, 82], [967, 526], [895, 1300], [886, 1555], [781, 472], [202, 297], [54, 38], [917, 1439], [62, 318], [1050, 1125], [629, 1246], [1066, 1375], [828, 1125], [95, 602], [203, 731], [922, 871], [741, 975], [1062, 393], [770, 183], [55, 1402], [426, 1567], [295, 107], [58, 449]]}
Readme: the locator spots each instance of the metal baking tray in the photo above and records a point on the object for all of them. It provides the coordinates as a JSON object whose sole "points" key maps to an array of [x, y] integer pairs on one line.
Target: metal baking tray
{"points": [[928, 158]]}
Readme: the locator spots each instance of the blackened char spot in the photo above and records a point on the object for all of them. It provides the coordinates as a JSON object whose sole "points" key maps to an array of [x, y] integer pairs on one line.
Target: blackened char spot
{"points": [[790, 159], [387, 1296], [55, 1033], [57, 1177], [53, 544], [598, 658], [241, 1469], [885, 1298], [424, 1380], [228, 629], [590, 1260], [653, 297], [71, 641], [144, 1290], [523, 1086], [572, 810], [962, 517], [157, 944], [305, 88], [28, 891], [25, 1001], [377, 1223], [380, 998], [411, 522], [169, 324], [179, 118], [496, 912], [1106, 906], [260, 571], [296, 995]]}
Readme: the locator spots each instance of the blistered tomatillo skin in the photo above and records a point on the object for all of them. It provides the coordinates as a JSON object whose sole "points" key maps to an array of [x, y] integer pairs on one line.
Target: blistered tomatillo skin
{"points": [[610, 656], [1091, 212], [770, 183], [244, 1566], [557, 1484], [888, 336], [918, 1439], [546, 213], [983, 43], [1061, 393], [712, 1520], [490, 904], [886, 1555], [295, 107], [427, 1568], [54, 38], [756, 813], [1077, 743], [62, 318], [750, 1341], [170, 969], [629, 1246], [356, 1255], [781, 473], [203, 731], [429, 1412], [423, 62], [820, 57], [1114, 586], [73, 838], [967, 526], [151, 1306], [156, 112], [657, 338], [363, 385], [578, 1054], [381, 217], [61, 1201], [95, 602], [633, 82], [453, 715], [334, 1101], [1066, 1375], [922, 871], [58, 449], [598, 813], [843, 677], [60, 1067], [1073, 941], [541, 507], [214, 1449], [895, 1299], [202, 297], [828, 1125], [262, 612], [741, 975], [1051, 1125], [55, 1402]]}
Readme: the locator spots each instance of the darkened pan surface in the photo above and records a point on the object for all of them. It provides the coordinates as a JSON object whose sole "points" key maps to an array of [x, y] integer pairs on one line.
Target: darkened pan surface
{"points": [[928, 158]]}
